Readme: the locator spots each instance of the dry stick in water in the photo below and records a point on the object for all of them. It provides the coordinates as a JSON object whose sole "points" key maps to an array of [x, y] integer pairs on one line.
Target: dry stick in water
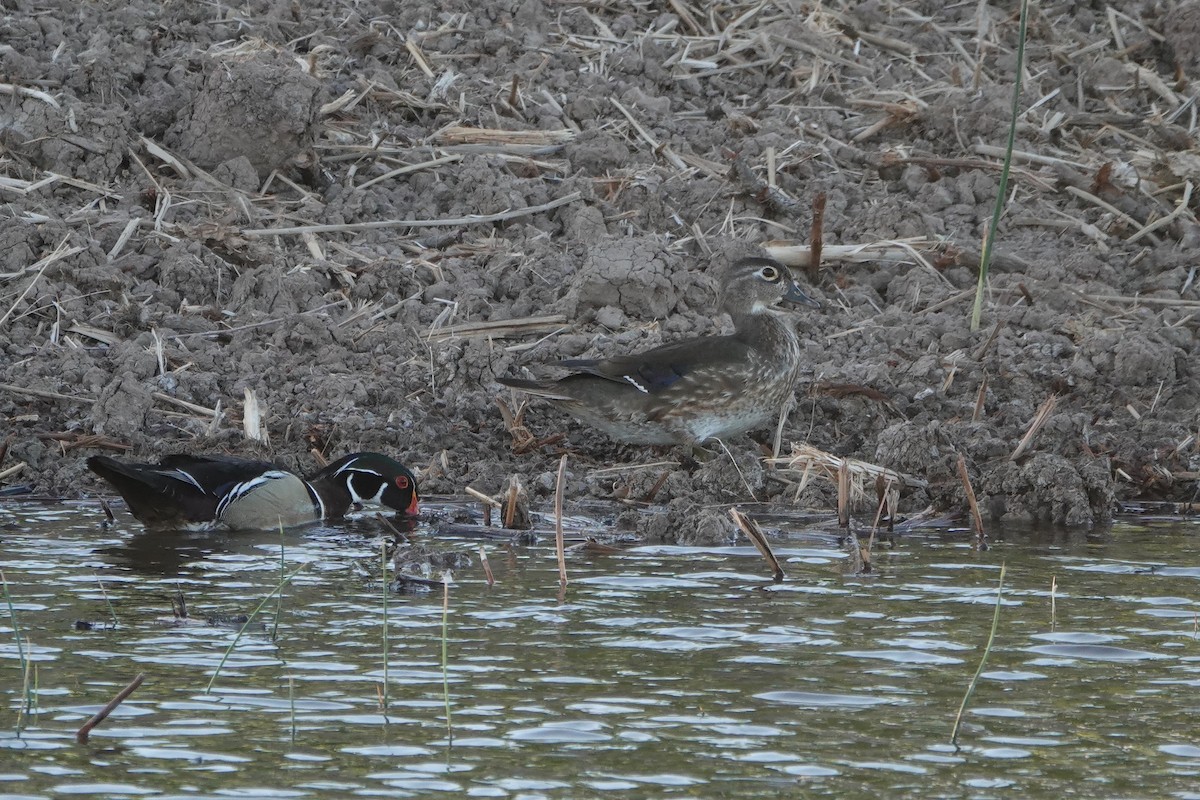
{"points": [[843, 494], [982, 661], [81, 735], [514, 489], [558, 525], [973, 504], [755, 534], [488, 504], [487, 567]]}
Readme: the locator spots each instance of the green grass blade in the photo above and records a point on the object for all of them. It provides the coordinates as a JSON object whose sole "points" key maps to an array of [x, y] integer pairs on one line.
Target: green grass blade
{"points": [[445, 649], [279, 596], [225, 657], [12, 615], [989, 237], [987, 650], [386, 643]]}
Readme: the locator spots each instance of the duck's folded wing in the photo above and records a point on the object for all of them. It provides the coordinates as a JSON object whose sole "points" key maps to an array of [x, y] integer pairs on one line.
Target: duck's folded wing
{"points": [[211, 473], [662, 367]]}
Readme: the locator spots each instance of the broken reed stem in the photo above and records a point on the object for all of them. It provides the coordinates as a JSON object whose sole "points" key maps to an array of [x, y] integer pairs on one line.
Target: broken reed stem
{"points": [[8, 387], [399, 535], [487, 567], [982, 661], [754, 533], [843, 502], [784, 411], [13, 470], [383, 564], [558, 523], [81, 735], [977, 414], [1039, 419], [245, 625], [866, 552], [60, 252], [972, 504], [445, 650], [415, 223], [483, 498], [989, 236], [817, 240], [510, 508]]}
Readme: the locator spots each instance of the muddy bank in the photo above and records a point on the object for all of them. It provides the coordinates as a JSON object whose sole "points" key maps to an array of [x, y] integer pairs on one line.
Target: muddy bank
{"points": [[148, 150]]}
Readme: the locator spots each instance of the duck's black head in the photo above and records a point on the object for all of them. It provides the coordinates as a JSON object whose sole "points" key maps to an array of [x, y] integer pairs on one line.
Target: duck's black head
{"points": [[373, 478]]}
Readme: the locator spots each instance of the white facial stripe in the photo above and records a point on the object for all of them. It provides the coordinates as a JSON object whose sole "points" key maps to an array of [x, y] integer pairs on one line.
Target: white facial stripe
{"points": [[354, 495], [352, 468]]}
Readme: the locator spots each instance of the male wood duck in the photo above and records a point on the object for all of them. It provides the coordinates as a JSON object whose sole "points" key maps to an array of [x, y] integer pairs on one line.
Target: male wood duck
{"points": [[205, 492], [697, 389]]}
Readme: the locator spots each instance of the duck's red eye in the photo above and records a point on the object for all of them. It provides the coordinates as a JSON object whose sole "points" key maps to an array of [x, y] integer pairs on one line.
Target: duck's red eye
{"points": [[401, 482]]}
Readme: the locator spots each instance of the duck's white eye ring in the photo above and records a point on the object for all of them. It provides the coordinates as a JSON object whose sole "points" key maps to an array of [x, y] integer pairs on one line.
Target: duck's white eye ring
{"points": [[769, 274]]}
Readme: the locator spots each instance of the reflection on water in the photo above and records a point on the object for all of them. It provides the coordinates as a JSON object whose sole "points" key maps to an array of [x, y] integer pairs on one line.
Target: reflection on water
{"points": [[662, 671]]}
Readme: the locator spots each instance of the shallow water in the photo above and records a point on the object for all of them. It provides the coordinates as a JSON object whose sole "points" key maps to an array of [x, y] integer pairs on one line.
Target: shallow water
{"points": [[661, 671]]}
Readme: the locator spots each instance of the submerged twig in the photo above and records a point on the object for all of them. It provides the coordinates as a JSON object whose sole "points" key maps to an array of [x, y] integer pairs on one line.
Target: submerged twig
{"points": [[81, 735]]}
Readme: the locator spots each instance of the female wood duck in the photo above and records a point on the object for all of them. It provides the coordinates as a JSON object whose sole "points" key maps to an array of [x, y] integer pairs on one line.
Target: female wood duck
{"points": [[697, 389], [205, 492]]}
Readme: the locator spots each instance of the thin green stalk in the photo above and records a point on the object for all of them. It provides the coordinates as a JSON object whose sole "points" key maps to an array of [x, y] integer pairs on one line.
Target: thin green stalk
{"points": [[279, 588], [985, 259], [12, 614], [279, 597], [28, 692], [26, 665], [292, 704], [982, 661], [386, 589], [35, 706], [112, 612], [445, 658]]}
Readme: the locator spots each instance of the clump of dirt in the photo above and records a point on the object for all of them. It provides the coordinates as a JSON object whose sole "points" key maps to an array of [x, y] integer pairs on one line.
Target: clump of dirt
{"points": [[365, 214]]}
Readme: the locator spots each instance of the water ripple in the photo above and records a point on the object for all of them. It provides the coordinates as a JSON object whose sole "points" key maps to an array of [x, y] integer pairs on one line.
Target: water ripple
{"points": [[1094, 652], [823, 699]]}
